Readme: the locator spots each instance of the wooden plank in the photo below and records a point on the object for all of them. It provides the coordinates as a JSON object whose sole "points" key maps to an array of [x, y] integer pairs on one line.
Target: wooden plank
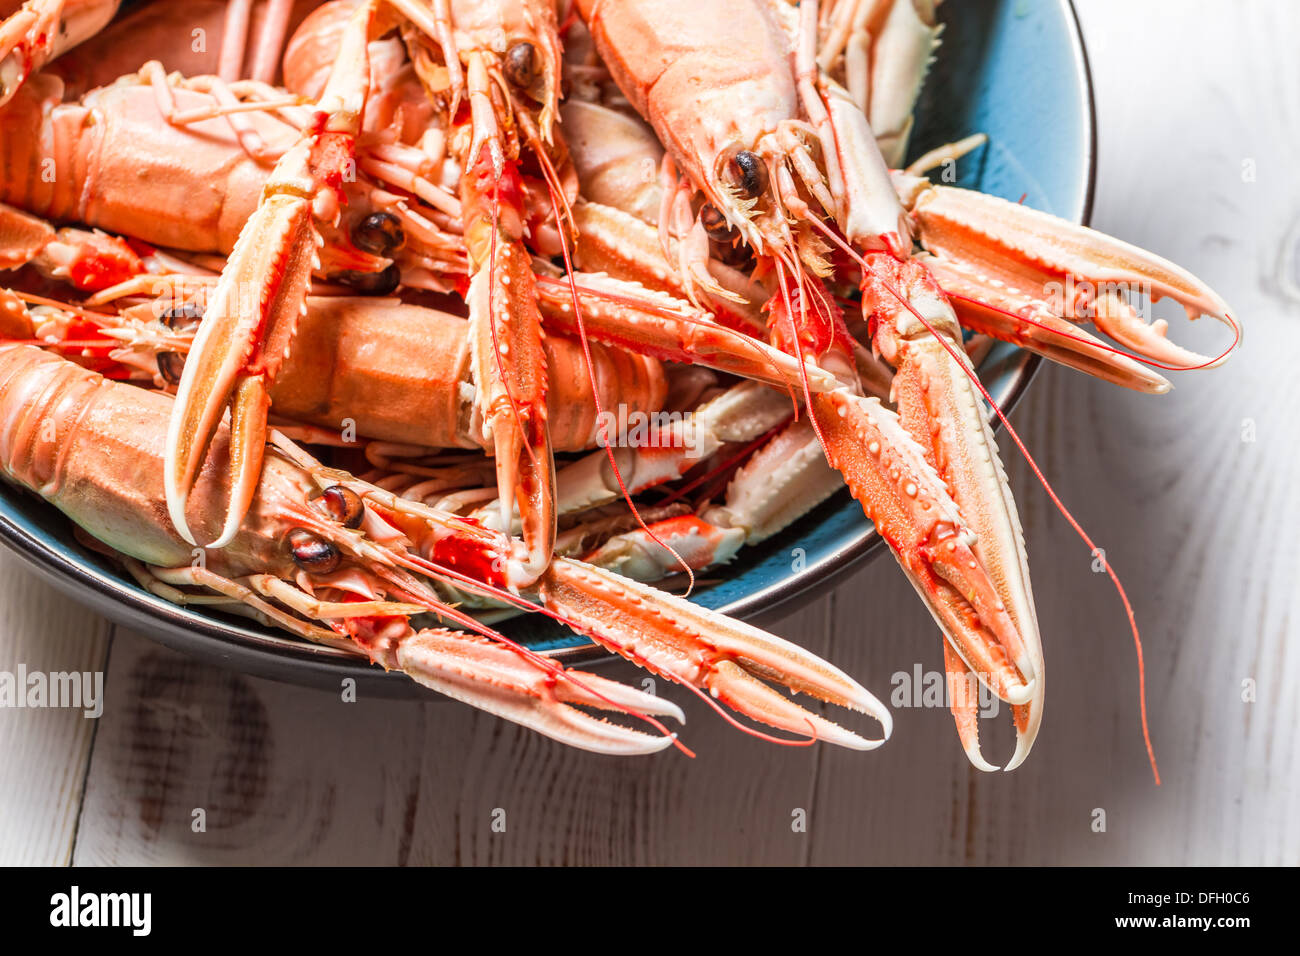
{"points": [[733, 802], [293, 776], [281, 774], [43, 752]]}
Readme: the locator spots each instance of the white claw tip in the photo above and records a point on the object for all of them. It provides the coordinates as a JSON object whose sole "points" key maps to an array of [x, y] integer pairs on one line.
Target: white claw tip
{"points": [[833, 733], [977, 759], [1022, 693], [850, 740], [885, 719], [1024, 743], [176, 511], [667, 708]]}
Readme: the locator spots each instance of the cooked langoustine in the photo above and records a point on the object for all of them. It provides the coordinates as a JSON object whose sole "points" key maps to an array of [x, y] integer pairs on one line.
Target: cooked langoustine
{"points": [[336, 560], [109, 160], [391, 371]]}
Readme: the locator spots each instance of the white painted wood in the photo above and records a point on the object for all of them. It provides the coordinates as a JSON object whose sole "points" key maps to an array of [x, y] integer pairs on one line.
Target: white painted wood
{"points": [[1199, 523], [43, 752], [294, 776]]}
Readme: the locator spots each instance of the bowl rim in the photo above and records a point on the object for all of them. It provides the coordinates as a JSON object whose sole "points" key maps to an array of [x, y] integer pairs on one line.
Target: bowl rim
{"points": [[264, 653]]}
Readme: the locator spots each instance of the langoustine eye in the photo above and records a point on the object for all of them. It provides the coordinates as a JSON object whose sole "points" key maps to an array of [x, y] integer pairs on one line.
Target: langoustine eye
{"points": [[371, 283], [313, 554], [178, 318], [724, 241], [715, 223], [343, 505], [379, 234], [171, 365], [744, 171], [520, 66]]}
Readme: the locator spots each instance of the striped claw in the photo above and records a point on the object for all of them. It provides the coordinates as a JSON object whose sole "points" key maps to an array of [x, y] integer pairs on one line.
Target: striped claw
{"points": [[508, 364], [887, 471], [1013, 317], [928, 476], [688, 644], [253, 311], [629, 315], [41, 30], [983, 557], [507, 359], [496, 679], [1010, 259], [784, 479], [964, 704], [642, 555]]}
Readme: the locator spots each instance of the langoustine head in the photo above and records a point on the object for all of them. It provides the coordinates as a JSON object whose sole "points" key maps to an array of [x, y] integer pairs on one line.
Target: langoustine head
{"points": [[733, 92]]}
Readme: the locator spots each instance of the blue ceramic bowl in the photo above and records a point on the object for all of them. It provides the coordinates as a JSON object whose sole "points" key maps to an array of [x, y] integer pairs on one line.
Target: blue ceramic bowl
{"points": [[1013, 69]]}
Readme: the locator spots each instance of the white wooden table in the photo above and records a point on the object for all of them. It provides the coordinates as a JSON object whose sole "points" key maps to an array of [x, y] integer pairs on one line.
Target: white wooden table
{"points": [[1199, 114]]}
